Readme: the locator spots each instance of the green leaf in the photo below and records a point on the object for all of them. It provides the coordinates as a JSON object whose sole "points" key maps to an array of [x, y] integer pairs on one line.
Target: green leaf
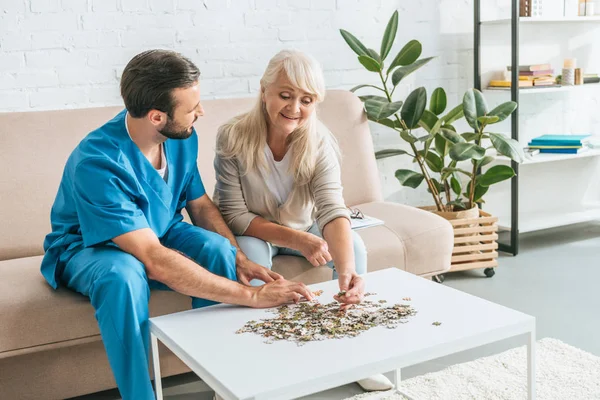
{"points": [[389, 35], [437, 185], [374, 55], [408, 55], [488, 119], [409, 178], [403, 72], [355, 88], [438, 101], [354, 43], [453, 169], [451, 136], [504, 110], [434, 162], [369, 63], [407, 136], [458, 204], [466, 151], [370, 97], [484, 161], [428, 120], [455, 185], [414, 107], [441, 145], [474, 106], [480, 190], [378, 110], [387, 122], [469, 136], [497, 173], [454, 115], [507, 146], [389, 153]]}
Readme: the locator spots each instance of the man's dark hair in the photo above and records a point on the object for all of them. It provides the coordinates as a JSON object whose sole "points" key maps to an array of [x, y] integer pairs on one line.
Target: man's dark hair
{"points": [[149, 79]]}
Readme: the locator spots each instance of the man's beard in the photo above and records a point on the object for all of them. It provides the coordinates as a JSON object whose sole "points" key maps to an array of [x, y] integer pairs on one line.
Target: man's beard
{"points": [[172, 130]]}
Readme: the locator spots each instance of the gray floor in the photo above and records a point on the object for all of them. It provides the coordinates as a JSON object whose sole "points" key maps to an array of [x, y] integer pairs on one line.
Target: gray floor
{"points": [[552, 278]]}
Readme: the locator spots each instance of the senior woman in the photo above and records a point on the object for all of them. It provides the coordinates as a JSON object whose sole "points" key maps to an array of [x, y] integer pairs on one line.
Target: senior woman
{"points": [[278, 181]]}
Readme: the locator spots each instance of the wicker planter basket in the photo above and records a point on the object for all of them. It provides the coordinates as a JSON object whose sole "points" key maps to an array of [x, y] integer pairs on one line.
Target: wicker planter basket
{"points": [[475, 242]]}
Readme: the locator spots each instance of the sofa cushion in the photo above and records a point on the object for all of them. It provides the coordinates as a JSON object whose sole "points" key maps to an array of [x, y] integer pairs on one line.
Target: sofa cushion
{"points": [[425, 240], [34, 314]]}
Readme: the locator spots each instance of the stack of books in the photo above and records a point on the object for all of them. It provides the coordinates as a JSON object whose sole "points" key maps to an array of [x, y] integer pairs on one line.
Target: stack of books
{"points": [[536, 75], [561, 144]]}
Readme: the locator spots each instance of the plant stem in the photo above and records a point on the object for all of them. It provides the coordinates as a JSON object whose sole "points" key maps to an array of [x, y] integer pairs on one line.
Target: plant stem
{"points": [[436, 196]]}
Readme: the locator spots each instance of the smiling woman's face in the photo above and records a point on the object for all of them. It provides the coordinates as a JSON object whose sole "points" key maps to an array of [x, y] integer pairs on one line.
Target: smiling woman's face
{"points": [[288, 107]]}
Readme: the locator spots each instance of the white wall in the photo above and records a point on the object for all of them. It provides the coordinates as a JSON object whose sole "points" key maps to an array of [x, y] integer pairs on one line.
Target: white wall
{"points": [[57, 54]]}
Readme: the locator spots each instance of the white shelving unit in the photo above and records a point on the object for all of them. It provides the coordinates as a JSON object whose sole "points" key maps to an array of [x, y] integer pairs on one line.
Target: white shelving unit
{"points": [[549, 157], [543, 20], [553, 189], [553, 218], [542, 90]]}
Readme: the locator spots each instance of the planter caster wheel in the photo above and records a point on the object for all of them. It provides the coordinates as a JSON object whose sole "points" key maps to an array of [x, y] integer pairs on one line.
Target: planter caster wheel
{"points": [[489, 272], [438, 278]]}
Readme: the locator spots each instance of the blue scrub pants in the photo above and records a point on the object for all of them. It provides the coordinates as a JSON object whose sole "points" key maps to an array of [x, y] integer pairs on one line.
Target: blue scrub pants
{"points": [[262, 252], [119, 290]]}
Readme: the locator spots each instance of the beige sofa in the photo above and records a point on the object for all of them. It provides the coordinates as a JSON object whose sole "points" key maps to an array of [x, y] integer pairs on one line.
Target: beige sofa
{"points": [[50, 347]]}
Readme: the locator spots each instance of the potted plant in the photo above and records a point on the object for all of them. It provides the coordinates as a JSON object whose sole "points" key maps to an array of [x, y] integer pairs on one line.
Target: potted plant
{"points": [[450, 164]]}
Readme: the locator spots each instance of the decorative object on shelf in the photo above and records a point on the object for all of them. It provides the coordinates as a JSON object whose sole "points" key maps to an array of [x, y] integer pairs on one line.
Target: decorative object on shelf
{"points": [[437, 152], [586, 8], [571, 8], [568, 72], [578, 76], [525, 8]]}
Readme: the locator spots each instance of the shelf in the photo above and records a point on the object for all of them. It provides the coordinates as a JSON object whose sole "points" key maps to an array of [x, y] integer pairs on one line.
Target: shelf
{"points": [[530, 20], [541, 90], [531, 222], [549, 157]]}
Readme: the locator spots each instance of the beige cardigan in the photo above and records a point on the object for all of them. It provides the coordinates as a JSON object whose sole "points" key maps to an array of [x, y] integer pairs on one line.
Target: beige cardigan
{"points": [[241, 198]]}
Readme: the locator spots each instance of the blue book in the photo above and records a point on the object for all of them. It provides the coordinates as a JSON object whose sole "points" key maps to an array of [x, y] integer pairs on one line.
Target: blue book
{"points": [[563, 151], [559, 140]]}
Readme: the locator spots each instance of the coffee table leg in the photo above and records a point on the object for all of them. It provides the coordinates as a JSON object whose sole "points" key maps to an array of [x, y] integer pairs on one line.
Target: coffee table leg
{"points": [[531, 365], [397, 377], [156, 367]]}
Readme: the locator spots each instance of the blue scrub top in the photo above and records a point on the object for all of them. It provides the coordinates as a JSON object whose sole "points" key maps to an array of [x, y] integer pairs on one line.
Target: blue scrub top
{"points": [[109, 188]]}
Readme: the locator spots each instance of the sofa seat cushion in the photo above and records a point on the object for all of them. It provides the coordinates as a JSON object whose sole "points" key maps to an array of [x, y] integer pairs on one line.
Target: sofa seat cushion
{"points": [[34, 314], [423, 240]]}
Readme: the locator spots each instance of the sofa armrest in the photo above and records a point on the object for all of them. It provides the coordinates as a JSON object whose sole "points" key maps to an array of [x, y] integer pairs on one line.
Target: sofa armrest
{"points": [[427, 238]]}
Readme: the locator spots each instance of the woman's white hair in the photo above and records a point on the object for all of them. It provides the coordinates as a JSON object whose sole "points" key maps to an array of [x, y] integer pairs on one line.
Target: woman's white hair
{"points": [[245, 136]]}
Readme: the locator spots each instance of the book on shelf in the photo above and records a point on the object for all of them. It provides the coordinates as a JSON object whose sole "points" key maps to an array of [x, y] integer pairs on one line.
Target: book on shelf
{"points": [[565, 151], [364, 222], [532, 67], [548, 72], [545, 147], [591, 79], [559, 140], [497, 83]]}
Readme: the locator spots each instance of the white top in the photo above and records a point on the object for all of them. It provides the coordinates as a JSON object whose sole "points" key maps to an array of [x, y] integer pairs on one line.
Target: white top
{"points": [[162, 171], [277, 176], [283, 370]]}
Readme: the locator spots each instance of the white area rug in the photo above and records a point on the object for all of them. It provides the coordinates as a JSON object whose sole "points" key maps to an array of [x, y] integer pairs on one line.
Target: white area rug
{"points": [[563, 373]]}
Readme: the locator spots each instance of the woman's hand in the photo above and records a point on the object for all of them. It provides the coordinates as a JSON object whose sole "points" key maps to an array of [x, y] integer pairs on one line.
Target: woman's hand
{"points": [[314, 249], [352, 289]]}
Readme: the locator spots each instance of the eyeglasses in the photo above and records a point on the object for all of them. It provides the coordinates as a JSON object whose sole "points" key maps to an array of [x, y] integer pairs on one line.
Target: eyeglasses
{"points": [[356, 213]]}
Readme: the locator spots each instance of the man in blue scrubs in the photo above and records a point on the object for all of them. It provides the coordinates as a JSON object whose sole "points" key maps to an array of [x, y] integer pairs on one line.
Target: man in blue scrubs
{"points": [[117, 228]]}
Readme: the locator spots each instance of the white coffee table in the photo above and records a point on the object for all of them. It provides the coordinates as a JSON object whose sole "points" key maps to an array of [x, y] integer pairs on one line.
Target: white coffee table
{"points": [[243, 366]]}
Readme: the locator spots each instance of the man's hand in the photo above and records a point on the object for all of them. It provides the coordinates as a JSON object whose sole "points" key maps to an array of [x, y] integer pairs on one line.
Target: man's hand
{"points": [[248, 270], [314, 249], [354, 288], [279, 292]]}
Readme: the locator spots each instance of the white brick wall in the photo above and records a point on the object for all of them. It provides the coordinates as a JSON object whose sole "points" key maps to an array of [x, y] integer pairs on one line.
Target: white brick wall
{"points": [[58, 54]]}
